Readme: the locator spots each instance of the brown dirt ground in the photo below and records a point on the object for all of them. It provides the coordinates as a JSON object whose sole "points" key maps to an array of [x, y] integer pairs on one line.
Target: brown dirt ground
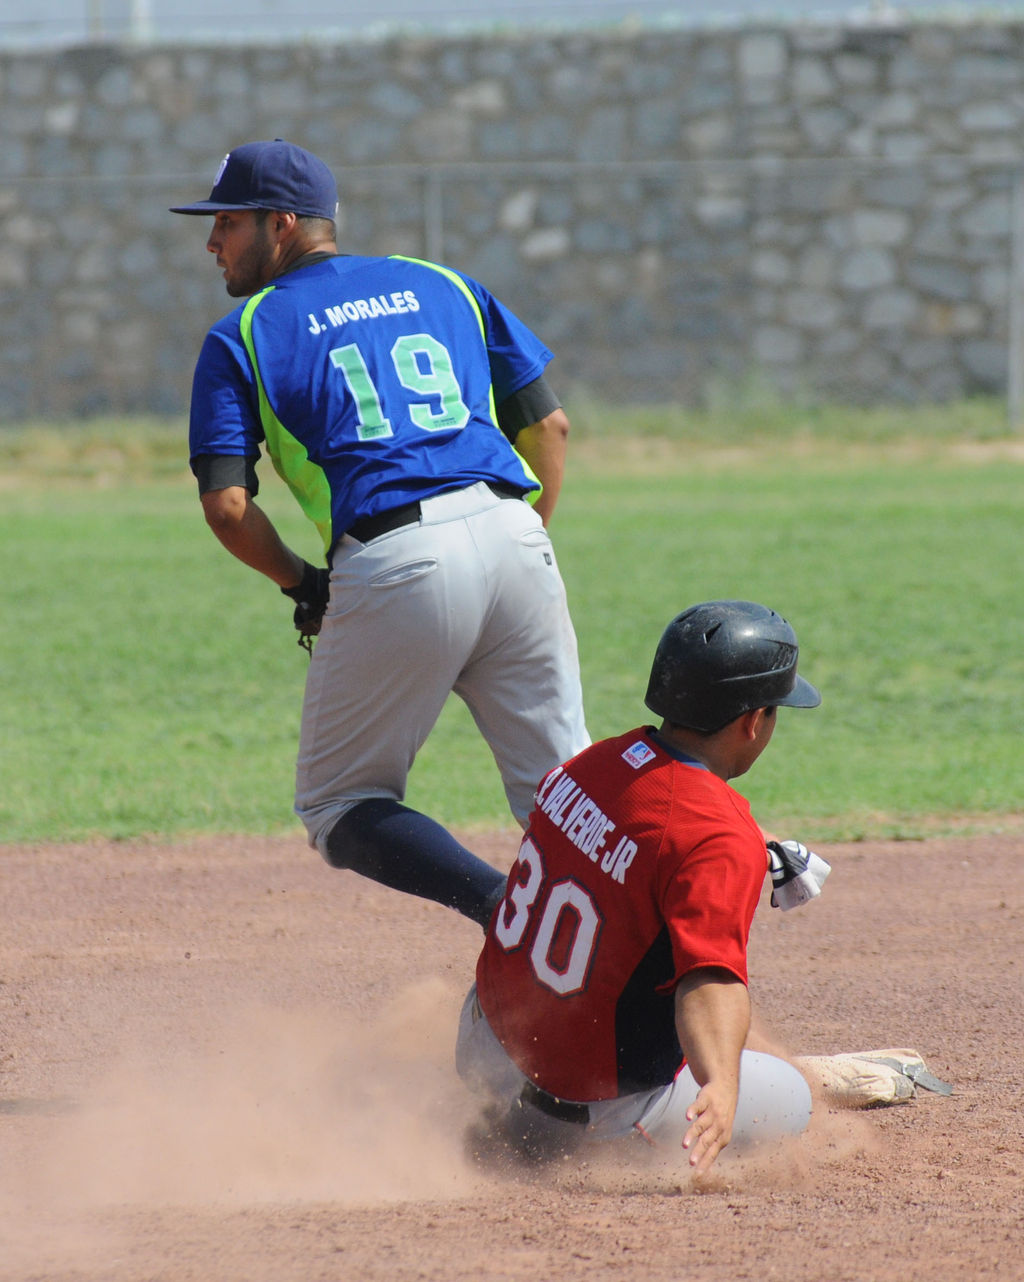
{"points": [[223, 1061]]}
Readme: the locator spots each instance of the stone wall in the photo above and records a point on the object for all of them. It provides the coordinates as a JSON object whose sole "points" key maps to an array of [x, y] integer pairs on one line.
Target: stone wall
{"points": [[682, 215]]}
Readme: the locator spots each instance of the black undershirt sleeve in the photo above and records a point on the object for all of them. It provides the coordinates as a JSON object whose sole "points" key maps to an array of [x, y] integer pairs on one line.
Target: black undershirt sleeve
{"points": [[219, 471], [529, 405]]}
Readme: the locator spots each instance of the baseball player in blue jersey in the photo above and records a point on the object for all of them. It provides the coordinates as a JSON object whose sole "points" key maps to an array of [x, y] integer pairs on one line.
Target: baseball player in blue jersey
{"points": [[408, 412]]}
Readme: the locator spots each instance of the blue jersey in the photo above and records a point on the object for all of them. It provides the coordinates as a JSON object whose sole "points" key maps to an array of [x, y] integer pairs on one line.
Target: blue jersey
{"points": [[372, 383]]}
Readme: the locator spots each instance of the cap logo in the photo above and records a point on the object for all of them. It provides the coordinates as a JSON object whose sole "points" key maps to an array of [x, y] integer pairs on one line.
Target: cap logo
{"points": [[223, 166]]}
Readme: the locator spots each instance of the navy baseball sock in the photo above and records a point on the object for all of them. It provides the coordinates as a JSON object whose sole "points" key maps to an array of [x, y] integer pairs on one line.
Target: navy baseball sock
{"points": [[408, 851]]}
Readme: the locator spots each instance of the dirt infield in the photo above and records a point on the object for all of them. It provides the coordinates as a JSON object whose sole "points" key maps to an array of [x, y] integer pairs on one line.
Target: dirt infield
{"points": [[223, 1061]]}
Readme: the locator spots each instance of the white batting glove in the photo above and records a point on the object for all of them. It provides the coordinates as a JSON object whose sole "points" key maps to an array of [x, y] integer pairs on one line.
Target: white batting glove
{"points": [[798, 874]]}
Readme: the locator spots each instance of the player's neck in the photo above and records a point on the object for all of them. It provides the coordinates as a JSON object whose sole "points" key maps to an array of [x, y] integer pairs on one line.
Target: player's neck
{"points": [[692, 744], [728, 752], [297, 249]]}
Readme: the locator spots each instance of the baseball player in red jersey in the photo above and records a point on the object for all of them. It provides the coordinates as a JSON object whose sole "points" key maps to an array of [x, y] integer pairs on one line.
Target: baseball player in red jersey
{"points": [[611, 996]]}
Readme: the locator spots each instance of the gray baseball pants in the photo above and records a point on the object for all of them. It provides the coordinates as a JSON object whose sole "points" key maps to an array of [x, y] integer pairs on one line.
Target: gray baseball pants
{"points": [[469, 599]]}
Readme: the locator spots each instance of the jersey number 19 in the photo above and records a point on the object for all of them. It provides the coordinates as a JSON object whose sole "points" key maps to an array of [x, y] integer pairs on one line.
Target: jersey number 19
{"points": [[424, 367]]}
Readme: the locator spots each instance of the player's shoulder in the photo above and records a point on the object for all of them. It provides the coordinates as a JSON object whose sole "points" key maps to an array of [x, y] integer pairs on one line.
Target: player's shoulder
{"points": [[710, 808], [391, 271], [314, 274], [642, 751], [636, 749], [620, 760], [408, 264], [442, 275], [411, 263]]}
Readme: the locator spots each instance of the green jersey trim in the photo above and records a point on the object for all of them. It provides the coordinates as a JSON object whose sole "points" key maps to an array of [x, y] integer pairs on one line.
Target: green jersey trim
{"points": [[306, 480], [461, 285]]}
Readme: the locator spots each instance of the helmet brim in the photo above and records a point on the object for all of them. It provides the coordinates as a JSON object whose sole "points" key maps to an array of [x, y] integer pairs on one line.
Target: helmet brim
{"points": [[803, 695]]}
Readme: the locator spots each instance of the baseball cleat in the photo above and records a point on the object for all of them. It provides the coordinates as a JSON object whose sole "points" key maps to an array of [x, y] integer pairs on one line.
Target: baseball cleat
{"points": [[870, 1079]]}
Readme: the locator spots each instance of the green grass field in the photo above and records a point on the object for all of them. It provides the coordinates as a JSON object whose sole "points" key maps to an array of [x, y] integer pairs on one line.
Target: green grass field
{"points": [[152, 685]]}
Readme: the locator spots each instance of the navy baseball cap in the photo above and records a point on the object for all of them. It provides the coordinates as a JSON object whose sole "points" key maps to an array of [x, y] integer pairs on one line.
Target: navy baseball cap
{"points": [[271, 175]]}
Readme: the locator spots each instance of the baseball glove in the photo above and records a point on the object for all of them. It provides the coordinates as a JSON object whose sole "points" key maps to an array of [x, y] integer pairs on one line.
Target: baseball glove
{"points": [[310, 595]]}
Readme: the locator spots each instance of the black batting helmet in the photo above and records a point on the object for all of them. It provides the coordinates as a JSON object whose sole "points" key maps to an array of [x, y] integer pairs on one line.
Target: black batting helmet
{"points": [[718, 660]]}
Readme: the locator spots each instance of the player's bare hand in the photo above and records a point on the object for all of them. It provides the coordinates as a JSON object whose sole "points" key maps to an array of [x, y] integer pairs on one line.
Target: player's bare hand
{"points": [[711, 1116]]}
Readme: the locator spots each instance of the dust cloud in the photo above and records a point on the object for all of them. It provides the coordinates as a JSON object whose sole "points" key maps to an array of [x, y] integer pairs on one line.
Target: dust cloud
{"points": [[278, 1106]]}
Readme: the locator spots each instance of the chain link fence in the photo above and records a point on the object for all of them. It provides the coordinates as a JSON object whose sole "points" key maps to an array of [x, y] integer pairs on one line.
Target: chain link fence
{"points": [[851, 280]]}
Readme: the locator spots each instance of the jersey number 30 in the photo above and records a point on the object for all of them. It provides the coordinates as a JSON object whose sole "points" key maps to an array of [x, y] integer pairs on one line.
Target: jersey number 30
{"points": [[568, 924], [424, 367]]}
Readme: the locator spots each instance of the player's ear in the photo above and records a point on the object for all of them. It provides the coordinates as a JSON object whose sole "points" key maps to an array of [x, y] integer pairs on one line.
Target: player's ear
{"points": [[750, 722], [283, 222]]}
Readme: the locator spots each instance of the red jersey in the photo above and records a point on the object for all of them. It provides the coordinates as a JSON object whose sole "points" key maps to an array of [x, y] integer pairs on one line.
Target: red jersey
{"points": [[639, 865]]}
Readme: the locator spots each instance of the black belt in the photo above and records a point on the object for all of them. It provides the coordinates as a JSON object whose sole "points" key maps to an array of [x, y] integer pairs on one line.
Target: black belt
{"points": [[372, 527], [563, 1110]]}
